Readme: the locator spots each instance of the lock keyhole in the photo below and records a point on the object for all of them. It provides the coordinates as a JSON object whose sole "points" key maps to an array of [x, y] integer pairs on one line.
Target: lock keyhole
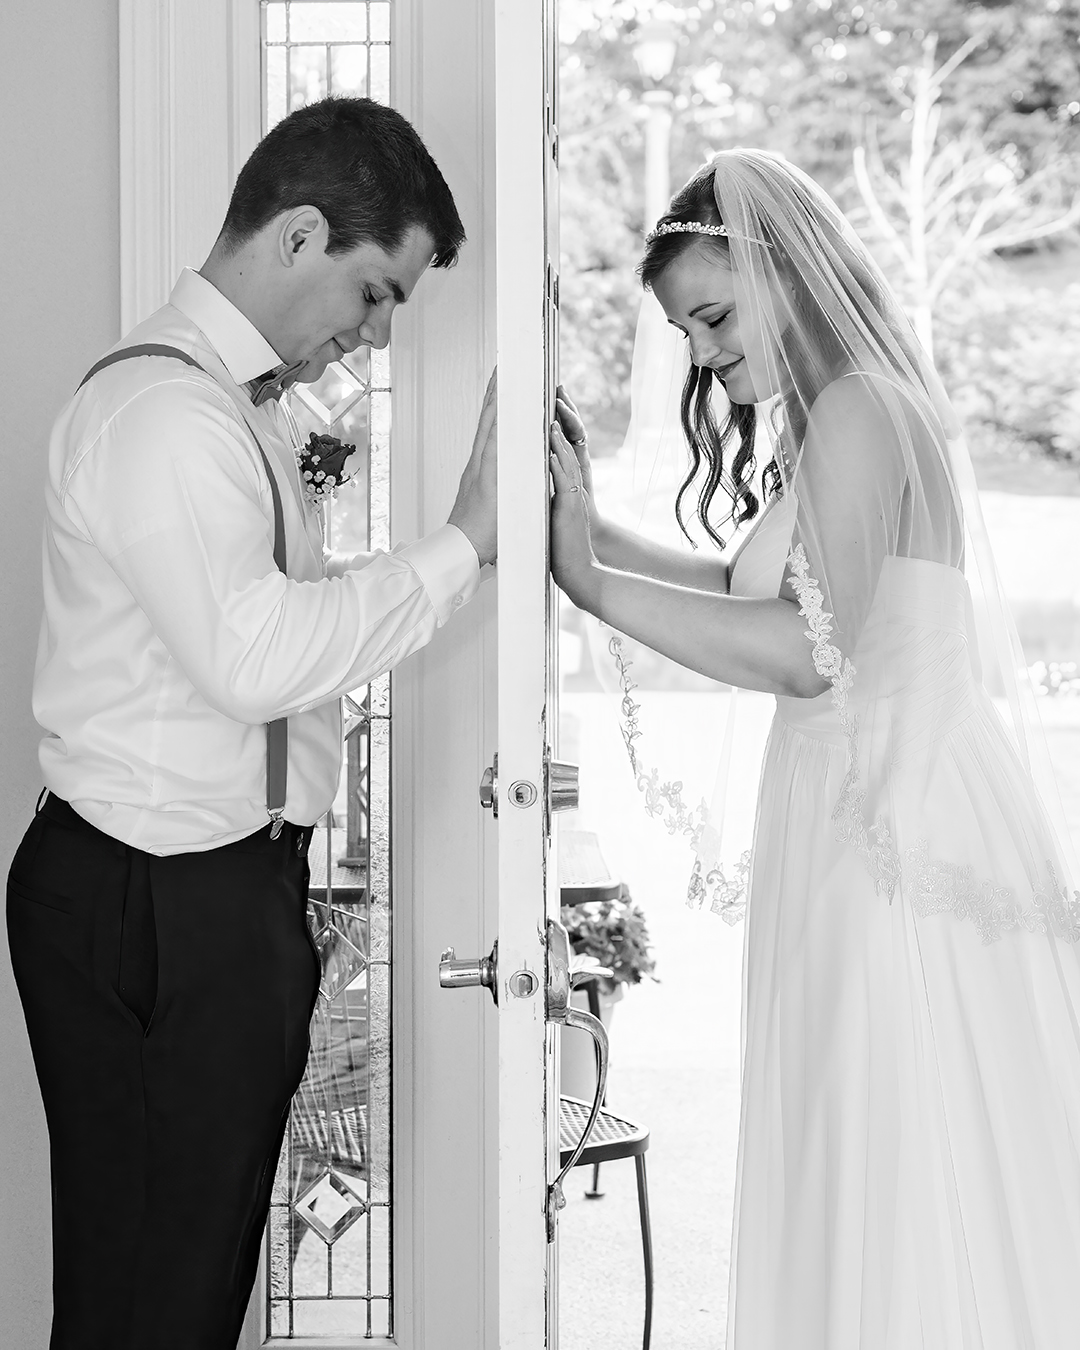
{"points": [[522, 793]]}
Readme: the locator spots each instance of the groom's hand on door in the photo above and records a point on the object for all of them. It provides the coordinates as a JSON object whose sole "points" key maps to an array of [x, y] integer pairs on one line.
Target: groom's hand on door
{"points": [[474, 509]]}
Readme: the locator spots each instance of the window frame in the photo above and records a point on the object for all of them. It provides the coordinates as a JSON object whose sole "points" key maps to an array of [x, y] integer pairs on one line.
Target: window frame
{"points": [[182, 140]]}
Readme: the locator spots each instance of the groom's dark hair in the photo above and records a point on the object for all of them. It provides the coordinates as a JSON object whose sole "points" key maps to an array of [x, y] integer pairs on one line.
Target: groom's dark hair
{"points": [[365, 168]]}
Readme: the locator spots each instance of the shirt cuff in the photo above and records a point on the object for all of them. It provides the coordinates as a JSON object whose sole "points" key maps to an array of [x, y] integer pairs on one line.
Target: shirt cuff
{"points": [[447, 564]]}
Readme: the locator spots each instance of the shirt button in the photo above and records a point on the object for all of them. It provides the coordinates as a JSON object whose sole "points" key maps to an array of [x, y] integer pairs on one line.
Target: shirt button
{"points": [[458, 602]]}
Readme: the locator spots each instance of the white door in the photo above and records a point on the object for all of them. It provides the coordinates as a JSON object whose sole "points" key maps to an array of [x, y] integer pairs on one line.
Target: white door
{"points": [[528, 1105], [529, 970]]}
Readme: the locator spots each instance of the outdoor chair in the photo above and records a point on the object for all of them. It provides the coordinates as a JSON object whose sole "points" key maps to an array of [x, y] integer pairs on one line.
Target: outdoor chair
{"points": [[584, 877], [613, 1137]]}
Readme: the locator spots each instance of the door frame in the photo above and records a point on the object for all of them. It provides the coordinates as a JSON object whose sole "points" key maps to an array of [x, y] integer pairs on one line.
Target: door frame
{"points": [[190, 114]]}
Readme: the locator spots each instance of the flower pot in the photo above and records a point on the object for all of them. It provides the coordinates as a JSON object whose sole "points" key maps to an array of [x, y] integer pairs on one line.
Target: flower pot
{"points": [[577, 1058]]}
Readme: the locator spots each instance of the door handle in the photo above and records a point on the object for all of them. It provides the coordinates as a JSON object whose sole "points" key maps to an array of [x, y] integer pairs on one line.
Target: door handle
{"points": [[457, 974], [467, 974], [560, 983], [577, 1017]]}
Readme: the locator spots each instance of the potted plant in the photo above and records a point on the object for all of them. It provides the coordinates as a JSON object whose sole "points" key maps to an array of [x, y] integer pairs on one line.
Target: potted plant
{"points": [[613, 935]]}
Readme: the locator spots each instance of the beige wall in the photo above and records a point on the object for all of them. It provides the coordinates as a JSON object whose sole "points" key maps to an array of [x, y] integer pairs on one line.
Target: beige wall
{"points": [[59, 229]]}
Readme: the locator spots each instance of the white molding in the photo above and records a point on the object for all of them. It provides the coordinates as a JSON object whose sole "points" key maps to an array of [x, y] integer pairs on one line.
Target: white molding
{"points": [[190, 114]]}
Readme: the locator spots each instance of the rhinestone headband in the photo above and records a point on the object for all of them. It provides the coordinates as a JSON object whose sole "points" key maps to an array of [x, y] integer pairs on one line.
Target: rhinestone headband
{"points": [[696, 227]]}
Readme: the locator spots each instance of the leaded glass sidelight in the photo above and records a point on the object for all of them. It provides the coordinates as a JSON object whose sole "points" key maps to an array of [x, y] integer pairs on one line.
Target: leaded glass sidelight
{"points": [[316, 47], [330, 1230]]}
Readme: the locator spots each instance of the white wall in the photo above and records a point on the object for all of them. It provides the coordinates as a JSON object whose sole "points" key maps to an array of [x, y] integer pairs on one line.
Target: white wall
{"points": [[59, 230]]}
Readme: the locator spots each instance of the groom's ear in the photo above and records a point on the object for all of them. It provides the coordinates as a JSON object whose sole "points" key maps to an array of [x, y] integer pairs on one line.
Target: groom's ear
{"points": [[301, 231]]}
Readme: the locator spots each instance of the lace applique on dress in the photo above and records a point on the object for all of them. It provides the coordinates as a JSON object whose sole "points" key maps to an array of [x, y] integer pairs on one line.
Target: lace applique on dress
{"points": [[724, 895], [935, 887], [874, 844], [932, 886]]}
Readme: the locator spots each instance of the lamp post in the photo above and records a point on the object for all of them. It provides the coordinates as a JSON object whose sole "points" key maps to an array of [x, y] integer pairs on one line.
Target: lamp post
{"points": [[654, 53], [652, 431]]}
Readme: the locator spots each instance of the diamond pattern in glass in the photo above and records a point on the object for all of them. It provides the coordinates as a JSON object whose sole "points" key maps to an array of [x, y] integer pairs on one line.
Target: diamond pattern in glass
{"points": [[331, 1205], [346, 390], [342, 960]]}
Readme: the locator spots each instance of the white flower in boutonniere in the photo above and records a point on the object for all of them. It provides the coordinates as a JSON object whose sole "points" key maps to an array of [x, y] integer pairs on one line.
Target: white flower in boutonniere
{"points": [[322, 467]]}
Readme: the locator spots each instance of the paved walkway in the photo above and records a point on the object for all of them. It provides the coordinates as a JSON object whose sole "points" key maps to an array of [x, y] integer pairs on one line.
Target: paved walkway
{"points": [[675, 1066]]}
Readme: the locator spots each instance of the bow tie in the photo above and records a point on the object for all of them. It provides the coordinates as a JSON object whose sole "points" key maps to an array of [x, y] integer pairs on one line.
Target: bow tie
{"points": [[274, 383]]}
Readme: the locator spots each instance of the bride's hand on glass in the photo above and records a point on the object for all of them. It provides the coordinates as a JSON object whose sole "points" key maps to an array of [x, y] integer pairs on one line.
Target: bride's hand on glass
{"points": [[573, 561], [573, 428]]}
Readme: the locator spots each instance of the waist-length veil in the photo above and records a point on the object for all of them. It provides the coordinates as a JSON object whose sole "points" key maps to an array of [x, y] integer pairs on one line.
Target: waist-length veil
{"points": [[866, 501]]}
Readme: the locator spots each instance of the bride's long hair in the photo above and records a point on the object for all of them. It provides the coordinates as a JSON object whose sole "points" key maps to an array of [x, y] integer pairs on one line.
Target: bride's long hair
{"points": [[811, 348]]}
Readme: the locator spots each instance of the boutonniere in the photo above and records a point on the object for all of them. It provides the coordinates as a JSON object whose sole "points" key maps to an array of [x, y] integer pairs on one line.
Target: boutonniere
{"points": [[322, 467]]}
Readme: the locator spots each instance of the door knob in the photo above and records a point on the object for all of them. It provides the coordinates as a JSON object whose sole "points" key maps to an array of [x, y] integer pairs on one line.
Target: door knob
{"points": [[563, 792], [457, 974]]}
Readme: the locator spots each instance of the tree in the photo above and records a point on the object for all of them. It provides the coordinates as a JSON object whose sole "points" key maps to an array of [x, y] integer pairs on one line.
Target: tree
{"points": [[807, 78], [951, 203]]}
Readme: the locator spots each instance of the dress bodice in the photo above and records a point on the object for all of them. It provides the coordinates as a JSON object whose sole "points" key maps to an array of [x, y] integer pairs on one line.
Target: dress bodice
{"points": [[757, 573], [757, 569], [913, 651]]}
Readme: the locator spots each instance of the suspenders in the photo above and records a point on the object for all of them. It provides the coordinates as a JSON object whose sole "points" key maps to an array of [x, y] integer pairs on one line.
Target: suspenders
{"points": [[277, 733]]}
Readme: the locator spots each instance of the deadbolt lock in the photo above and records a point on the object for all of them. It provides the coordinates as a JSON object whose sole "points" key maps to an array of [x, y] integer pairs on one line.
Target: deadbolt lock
{"points": [[562, 784], [489, 788], [523, 983], [522, 793]]}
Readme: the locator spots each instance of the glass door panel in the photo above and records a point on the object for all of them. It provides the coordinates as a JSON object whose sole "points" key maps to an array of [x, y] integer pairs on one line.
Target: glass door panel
{"points": [[330, 1234]]}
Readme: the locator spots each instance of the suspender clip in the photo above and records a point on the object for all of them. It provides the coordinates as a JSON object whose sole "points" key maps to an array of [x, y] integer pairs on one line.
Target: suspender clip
{"points": [[276, 824]]}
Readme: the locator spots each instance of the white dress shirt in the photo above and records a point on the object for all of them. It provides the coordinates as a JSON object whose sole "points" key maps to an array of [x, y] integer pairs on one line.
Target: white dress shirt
{"points": [[170, 637]]}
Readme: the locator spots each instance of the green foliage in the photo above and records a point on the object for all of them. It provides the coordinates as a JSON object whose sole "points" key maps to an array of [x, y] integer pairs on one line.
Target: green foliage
{"points": [[613, 931], [1009, 355], [1056, 679], [811, 79], [599, 294]]}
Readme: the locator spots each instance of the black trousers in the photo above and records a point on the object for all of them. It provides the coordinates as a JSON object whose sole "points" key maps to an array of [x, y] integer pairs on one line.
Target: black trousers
{"points": [[168, 1002]]}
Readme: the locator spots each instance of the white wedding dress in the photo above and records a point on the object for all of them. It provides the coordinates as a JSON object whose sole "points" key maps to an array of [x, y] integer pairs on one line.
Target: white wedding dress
{"points": [[909, 1153]]}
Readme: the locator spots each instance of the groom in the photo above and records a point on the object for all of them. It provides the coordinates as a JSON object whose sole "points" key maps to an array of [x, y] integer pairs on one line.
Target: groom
{"points": [[194, 649]]}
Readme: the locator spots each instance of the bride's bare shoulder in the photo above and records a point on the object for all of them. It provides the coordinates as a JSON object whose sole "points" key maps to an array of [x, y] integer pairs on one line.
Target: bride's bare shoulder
{"points": [[855, 390], [860, 403]]}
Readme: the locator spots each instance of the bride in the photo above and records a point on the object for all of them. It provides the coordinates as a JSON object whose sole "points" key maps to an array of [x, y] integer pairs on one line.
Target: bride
{"points": [[909, 1153]]}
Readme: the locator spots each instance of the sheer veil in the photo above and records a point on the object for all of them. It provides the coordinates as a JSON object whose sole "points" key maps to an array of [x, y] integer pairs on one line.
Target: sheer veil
{"points": [[888, 559]]}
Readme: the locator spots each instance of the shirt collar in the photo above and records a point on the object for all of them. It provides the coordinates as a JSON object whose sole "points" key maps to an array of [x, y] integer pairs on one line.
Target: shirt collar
{"points": [[243, 350]]}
